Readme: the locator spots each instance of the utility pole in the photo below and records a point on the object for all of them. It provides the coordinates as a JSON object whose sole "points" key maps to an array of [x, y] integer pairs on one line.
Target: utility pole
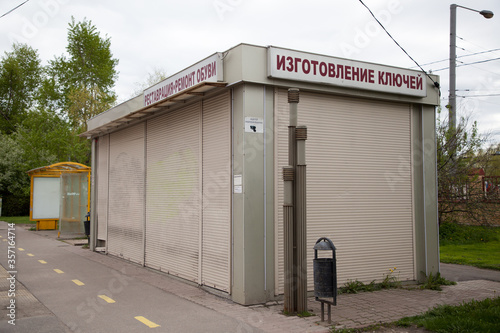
{"points": [[452, 104]]}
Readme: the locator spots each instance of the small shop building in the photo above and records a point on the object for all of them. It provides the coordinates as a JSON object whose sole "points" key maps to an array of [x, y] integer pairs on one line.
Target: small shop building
{"points": [[187, 177]]}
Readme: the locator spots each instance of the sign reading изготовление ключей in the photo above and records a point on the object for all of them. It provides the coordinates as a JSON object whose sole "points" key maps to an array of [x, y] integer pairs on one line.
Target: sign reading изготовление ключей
{"points": [[309, 67]]}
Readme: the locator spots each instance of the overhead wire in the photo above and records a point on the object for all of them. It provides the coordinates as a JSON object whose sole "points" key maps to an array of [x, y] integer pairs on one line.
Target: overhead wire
{"points": [[462, 56], [436, 84], [467, 41], [13, 9], [468, 64], [486, 95]]}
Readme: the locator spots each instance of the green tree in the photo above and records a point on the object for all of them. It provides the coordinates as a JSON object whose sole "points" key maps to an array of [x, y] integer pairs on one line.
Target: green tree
{"points": [[43, 109], [158, 74], [86, 102], [14, 182], [492, 167], [80, 84], [43, 138], [460, 166], [12, 177], [20, 76]]}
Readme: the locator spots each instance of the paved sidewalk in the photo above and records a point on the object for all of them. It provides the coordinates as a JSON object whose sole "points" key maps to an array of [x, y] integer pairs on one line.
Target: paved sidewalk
{"points": [[30, 314], [358, 310], [353, 310]]}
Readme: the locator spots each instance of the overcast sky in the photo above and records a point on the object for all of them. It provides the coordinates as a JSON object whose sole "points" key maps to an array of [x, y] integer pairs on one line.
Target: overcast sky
{"points": [[172, 35]]}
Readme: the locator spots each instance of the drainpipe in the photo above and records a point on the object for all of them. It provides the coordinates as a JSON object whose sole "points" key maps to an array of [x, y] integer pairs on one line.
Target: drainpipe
{"points": [[294, 213], [300, 218]]}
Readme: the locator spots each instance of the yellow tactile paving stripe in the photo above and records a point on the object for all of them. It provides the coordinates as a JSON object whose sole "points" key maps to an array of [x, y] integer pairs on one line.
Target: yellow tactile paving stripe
{"points": [[107, 299], [58, 271], [146, 322], [78, 282], [42, 261]]}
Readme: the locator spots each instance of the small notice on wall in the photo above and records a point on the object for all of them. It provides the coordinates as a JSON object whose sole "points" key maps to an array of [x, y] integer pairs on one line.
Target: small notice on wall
{"points": [[238, 184], [254, 125]]}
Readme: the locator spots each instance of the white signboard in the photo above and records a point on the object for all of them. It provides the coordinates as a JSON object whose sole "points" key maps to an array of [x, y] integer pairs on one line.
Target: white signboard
{"points": [[46, 197], [208, 70], [238, 184], [254, 125], [301, 66]]}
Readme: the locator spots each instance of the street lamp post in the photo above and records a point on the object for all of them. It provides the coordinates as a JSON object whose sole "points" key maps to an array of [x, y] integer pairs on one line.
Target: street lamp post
{"points": [[453, 64]]}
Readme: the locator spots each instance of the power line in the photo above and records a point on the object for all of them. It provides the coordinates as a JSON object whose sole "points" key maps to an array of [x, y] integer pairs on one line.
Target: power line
{"points": [[471, 63], [472, 54], [436, 84], [485, 70], [13, 9], [474, 90], [462, 56], [487, 95], [465, 40], [480, 62]]}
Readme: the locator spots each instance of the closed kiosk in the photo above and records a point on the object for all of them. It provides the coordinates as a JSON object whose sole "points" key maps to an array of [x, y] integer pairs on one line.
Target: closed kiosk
{"points": [[188, 175]]}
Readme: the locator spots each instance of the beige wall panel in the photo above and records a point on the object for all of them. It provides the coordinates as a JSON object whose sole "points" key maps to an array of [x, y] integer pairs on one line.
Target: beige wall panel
{"points": [[173, 201], [216, 192], [359, 185], [102, 186], [126, 193]]}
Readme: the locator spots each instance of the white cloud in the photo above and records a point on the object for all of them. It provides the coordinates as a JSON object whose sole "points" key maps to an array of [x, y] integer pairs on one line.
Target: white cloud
{"points": [[174, 35]]}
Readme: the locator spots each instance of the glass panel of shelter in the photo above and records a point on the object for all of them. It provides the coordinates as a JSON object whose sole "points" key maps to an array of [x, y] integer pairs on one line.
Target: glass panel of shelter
{"points": [[74, 194]]}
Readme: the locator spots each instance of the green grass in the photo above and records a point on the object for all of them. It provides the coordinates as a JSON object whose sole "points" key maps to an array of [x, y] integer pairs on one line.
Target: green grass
{"points": [[305, 314], [17, 219], [475, 316], [470, 245], [479, 255], [371, 329]]}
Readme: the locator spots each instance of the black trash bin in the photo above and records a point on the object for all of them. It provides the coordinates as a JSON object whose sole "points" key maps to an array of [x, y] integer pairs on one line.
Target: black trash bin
{"points": [[86, 225], [325, 276]]}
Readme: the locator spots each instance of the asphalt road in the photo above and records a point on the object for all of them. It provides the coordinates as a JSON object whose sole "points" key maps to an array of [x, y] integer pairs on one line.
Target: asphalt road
{"points": [[468, 273], [70, 293]]}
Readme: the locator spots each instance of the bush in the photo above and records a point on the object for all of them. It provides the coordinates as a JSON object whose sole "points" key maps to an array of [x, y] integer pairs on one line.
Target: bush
{"points": [[15, 205], [453, 233], [434, 282]]}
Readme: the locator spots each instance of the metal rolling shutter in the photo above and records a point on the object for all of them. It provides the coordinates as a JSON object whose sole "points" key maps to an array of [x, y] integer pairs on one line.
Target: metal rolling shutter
{"points": [[173, 203], [359, 182], [102, 186], [216, 192], [126, 193]]}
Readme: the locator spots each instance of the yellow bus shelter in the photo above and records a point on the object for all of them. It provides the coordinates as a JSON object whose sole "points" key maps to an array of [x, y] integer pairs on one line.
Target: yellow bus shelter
{"points": [[60, 193]]}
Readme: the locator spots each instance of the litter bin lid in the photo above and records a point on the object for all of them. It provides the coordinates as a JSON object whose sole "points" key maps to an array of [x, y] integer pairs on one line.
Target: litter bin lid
{"points": [[324, 244]]}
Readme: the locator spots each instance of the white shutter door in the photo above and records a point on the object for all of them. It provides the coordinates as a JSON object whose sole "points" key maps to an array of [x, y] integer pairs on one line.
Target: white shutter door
{"points": [[102, 186], [173, 210], [216, 192], [359, 184], [126, 193]]}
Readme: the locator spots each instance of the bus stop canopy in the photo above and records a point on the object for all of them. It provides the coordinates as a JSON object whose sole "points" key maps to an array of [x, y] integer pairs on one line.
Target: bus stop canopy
{"points": [[60, 192]]}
